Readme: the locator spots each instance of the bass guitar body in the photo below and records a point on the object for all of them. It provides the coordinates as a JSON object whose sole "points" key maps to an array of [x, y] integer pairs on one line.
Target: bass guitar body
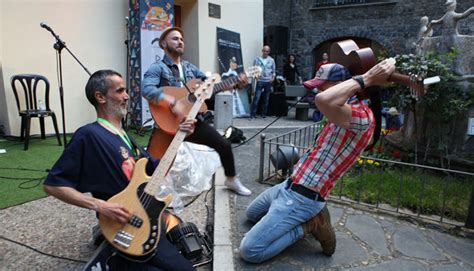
{"points": [[162, 114], [140, 236]]}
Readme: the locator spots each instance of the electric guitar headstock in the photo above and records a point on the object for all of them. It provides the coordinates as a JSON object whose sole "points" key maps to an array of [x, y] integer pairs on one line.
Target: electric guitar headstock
{"points": [[254, 72], [206, 88]]}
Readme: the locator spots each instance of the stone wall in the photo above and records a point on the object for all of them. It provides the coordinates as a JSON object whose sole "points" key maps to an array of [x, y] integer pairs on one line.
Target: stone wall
{"points": [[393, 25]]}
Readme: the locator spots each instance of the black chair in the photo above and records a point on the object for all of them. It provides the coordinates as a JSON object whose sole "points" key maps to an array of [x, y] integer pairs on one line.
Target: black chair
{"points": [[30, 107]]}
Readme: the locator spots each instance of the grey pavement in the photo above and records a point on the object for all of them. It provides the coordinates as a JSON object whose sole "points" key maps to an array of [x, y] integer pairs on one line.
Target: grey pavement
{"points": [[365, 240]]}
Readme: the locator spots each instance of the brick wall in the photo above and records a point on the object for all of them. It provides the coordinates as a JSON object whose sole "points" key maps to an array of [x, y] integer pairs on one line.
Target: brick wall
{"points": [[393, 25]]}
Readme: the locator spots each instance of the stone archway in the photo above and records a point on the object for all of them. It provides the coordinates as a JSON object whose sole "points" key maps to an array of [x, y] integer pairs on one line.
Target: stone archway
{"points": [[379, 50]]}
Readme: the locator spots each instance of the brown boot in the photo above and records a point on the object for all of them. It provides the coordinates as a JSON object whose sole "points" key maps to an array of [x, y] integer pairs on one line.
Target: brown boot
{"points": [[320, 227]]}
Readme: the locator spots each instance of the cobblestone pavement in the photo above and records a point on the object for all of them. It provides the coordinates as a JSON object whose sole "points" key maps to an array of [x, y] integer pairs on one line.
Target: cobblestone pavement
{"points": [[63, 230], [365, 240]]}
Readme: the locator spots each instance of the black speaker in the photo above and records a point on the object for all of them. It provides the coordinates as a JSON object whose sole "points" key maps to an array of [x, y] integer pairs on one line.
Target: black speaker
{"points": [[276, 36]]}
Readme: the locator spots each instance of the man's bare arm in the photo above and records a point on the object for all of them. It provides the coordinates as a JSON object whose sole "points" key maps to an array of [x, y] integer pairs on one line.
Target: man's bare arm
{"points": [[333, 101], [72, 196]]}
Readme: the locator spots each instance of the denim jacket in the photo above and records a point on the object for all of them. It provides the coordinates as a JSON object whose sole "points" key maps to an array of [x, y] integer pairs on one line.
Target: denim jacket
{"points": [[160, 75], [268, 70]]}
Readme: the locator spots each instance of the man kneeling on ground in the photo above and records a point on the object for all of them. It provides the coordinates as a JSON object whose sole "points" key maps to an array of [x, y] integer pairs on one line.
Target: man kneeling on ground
{"points": [[288, 211]]}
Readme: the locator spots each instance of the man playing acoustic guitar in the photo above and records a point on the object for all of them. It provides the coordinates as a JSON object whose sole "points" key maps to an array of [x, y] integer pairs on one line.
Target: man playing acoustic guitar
{"points": [[172, 70], [99, 159]]}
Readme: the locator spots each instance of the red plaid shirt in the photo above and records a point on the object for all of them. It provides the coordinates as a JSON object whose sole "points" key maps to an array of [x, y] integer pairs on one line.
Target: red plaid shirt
{"points": [[335, 150]]}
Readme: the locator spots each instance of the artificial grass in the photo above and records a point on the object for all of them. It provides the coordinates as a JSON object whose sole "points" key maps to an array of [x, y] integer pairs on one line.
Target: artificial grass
{"points": [[22, 172]]}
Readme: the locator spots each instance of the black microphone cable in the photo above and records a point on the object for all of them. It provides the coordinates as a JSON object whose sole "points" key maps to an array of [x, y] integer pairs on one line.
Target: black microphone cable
{"points": [[39, 251]]}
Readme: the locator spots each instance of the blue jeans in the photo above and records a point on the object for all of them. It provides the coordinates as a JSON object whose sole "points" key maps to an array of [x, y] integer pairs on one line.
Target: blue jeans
{"points": [[280, 213], [263, 89]]}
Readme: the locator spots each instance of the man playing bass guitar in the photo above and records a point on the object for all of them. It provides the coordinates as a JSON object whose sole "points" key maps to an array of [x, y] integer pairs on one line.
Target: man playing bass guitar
{"points": [[100, 159], [172, 70]]}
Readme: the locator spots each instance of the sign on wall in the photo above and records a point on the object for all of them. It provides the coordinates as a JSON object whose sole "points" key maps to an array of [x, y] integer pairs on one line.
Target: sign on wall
{"points": [[148, 19], [230, 64]]}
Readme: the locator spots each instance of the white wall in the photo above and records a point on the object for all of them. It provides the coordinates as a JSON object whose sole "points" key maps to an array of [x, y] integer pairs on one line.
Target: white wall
{"points": [[244, 17], [3, 102], [93, 30], [190, 25]]}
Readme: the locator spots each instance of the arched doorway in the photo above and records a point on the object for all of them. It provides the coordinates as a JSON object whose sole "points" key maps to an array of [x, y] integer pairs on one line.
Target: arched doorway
{"points": [[323, 47]]}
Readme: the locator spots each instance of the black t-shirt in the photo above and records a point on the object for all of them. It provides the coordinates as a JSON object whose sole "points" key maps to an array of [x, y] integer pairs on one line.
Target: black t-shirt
{"points": [[96, 161]]}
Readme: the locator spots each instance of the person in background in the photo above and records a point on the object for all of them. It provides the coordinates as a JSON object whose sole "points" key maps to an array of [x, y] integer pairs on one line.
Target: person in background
{"points": [[290, 71], [264, 83], [325, 60]]}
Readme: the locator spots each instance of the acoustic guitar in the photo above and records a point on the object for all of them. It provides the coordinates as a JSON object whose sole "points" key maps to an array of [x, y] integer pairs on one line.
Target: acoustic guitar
{"points": [[168, 121], [360, 60], [140, 236]]}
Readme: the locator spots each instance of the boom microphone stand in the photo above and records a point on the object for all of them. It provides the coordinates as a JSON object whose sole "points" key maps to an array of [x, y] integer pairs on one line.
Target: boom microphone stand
{"points": [[59, 46]]}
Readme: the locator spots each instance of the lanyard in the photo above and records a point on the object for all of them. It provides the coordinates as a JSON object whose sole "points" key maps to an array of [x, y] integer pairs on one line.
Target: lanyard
{"points": [[124, 138]]}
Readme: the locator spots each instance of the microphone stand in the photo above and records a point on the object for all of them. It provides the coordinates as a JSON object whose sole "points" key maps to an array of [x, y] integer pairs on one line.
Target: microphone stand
{"points": [[128, 73], [59, 46]]}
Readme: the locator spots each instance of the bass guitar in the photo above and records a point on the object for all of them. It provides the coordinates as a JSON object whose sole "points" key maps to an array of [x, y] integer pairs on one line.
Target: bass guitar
{"points": [[168, 121], [140, 236]]}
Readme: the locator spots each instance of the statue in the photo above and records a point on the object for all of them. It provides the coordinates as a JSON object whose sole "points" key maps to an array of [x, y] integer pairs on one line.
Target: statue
{"points": [[426, 30], [449, 40], [450, 18]]}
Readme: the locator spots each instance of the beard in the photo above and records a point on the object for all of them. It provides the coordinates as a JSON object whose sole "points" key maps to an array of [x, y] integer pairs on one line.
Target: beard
{"points": [[117, 108], [176, 51]]}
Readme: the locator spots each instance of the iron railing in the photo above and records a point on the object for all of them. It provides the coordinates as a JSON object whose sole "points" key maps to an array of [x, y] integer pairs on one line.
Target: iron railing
{"points": [[441, 195], [337, 3]]}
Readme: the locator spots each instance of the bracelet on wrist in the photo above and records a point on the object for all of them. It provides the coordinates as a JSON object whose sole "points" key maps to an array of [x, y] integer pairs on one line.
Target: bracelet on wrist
{"points": [[360, 80]]}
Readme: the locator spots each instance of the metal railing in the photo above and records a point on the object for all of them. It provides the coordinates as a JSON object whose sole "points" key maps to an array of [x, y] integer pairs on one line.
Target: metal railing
{"points": [[336, 3], [418, 191], [300, 138]]}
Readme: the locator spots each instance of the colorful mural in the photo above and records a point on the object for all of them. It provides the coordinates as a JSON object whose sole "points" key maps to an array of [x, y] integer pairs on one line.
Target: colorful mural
{"points": [[148, 18]]}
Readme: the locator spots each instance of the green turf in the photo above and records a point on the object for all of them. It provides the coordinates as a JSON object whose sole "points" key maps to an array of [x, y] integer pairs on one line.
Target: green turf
{"points": [[22, 172]]}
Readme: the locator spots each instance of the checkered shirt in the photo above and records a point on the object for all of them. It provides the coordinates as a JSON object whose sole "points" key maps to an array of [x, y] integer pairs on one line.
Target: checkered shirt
{"points": [[335, 150]]}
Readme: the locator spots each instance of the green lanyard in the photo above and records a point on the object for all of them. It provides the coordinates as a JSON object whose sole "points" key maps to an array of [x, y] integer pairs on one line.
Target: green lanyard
{"points": [[125, 138]]}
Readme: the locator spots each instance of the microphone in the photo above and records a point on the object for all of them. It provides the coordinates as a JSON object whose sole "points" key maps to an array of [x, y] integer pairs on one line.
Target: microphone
{"points": [[45, 26]]}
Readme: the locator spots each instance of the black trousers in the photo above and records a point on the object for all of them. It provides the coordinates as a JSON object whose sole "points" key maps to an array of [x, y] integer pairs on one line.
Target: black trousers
{"points": [[205, 134]]}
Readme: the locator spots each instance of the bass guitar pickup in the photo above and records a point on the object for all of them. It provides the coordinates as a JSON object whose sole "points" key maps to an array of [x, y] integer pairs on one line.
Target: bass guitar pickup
{"points": [[123, 238]]}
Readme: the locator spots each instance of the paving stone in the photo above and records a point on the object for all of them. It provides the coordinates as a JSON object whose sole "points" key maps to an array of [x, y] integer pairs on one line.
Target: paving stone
{"points": [[395, 265], [389, 224], [411, 242], [450, 267], [368, 230], [335, 212], [307, 253], [460, 248]]}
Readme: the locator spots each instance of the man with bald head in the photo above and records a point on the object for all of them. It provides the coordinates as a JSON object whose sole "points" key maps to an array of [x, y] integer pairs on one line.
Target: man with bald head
{"points": [[264, 83]]}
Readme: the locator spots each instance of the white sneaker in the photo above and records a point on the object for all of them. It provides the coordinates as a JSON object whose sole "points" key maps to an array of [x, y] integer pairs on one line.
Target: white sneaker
{"points": [[237, 187]]}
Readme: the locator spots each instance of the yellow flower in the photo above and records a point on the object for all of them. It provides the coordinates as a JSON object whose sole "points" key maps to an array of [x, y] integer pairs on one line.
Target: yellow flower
{"points": [[377, 163], [370, 162], [360, 161]]}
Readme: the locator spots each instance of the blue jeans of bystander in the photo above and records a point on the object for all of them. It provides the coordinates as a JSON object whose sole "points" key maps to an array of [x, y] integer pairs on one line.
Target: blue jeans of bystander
{"points": [[262, 90]]}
